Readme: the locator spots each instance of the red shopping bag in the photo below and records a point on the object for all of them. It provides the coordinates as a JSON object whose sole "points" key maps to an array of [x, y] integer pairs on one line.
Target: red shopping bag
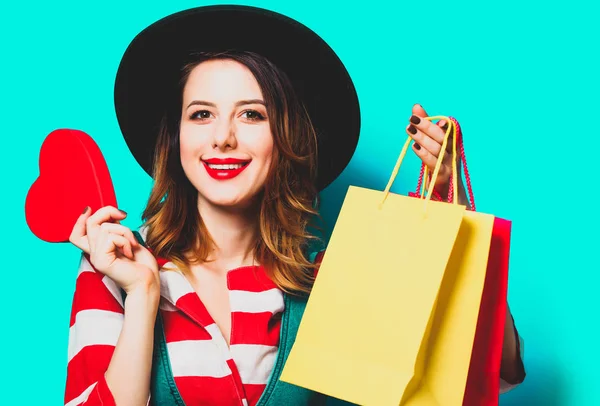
{"points": [[483, 381]]}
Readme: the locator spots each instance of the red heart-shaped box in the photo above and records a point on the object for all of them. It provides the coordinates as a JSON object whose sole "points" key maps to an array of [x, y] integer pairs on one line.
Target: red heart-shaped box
{"points": [[73, 175]]}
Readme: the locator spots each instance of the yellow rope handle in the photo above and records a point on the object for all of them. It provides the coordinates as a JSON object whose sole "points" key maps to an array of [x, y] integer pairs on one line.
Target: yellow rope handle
{"points": [[451, 125], [437, 166]]}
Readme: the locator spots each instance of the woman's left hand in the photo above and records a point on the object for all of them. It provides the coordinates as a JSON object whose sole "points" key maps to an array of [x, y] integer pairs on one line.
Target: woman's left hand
{"points": [[428, 139]]}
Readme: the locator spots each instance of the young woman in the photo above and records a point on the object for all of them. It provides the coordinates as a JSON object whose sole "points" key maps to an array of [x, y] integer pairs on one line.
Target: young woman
{"points": [[241, 116]]}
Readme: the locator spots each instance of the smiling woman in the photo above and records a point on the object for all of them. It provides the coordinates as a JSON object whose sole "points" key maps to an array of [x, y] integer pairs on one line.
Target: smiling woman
{"points": [[239, 150], [239, 137]]}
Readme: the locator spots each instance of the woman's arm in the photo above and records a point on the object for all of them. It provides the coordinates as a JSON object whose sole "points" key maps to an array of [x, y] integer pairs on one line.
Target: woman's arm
{"points": [[110, 345], [512, 370]]}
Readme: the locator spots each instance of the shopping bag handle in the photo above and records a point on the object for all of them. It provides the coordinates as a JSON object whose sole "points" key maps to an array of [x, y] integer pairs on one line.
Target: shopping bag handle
{"points": [[452, 192], [451, 125], [463, 160]]}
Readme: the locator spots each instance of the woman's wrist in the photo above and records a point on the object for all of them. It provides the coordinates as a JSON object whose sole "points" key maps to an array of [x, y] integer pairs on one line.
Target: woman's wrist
{"points": [[147, 285], [143, 296]]}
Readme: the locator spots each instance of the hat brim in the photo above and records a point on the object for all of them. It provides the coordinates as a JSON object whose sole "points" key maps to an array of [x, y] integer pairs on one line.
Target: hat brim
{"points": [[151, 65]]}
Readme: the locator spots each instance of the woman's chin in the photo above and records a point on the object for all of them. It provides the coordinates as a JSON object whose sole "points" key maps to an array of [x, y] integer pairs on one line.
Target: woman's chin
{"points": [[239, 201]]}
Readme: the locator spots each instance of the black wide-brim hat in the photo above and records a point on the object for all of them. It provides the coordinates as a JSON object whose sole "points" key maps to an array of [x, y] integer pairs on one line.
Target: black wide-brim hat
{"points": [[151, 65]]}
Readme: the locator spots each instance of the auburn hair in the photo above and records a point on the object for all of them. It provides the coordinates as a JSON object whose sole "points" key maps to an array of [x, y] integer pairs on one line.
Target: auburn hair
{"points": [[288, 202]]}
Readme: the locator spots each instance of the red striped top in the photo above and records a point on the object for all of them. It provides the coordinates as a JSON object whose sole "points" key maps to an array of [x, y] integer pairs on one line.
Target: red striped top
{"points": [[206, 370]]}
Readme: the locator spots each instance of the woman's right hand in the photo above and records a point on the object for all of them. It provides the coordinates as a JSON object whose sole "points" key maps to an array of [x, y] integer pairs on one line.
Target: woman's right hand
{"points": [[114, 250]]}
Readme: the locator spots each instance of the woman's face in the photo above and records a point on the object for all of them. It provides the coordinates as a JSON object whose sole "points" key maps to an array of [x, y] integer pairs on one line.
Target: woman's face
{"points": [[226, 145]]}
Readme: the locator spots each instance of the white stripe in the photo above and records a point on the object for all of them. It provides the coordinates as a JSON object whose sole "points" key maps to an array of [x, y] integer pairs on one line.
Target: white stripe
{"points": [[143, 231], [256, 302], [244, 402], [94, 327], [218, 340], [84, 265], [114, 289], [254, 362], [173, 285], [197, 358], [83, 397]]}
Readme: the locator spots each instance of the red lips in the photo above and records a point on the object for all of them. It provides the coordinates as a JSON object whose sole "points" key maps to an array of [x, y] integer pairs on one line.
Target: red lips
{"points": [[224, 168]]}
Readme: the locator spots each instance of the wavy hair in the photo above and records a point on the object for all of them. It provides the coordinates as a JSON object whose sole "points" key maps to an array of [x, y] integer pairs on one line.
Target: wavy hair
{"points": [[288, 201]]}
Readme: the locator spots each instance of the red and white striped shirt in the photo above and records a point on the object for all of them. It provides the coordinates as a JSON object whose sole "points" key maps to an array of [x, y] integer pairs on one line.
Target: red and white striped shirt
{"points": [[205, 369]]}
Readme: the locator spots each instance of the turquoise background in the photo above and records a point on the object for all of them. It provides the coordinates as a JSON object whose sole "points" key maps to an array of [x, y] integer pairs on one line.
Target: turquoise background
{"points": [[521, 77]]}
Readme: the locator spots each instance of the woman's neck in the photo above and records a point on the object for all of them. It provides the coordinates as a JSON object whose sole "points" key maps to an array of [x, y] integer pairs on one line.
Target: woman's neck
{"points": [[234, 232]]}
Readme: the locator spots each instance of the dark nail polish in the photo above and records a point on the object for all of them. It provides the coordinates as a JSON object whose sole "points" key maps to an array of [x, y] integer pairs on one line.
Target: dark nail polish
{"points": [[123, 212], [412, 129], [417, 146], [445, 127], [415, 120], [86, 209]]}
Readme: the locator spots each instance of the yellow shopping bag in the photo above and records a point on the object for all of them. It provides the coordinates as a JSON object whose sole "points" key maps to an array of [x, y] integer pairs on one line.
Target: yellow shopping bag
{"points": [[392, 316]]}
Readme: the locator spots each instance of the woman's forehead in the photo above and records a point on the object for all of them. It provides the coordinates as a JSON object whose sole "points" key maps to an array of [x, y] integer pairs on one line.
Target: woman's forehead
{"points": [[221, 80]]}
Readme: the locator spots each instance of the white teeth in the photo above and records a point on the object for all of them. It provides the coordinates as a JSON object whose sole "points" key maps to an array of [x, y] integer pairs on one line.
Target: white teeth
{"points": [[230, 166]]}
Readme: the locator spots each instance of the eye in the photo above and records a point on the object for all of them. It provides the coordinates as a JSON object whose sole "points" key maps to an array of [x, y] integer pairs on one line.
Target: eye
{"points": [[253, 115], [200, 115]]}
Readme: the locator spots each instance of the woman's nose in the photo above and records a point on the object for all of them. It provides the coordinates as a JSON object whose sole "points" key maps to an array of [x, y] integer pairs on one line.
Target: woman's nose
{"points": [[224, 135]]}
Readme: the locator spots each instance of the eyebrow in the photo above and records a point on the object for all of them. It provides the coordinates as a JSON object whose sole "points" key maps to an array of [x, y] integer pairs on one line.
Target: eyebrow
{"points": [[237, 104]]}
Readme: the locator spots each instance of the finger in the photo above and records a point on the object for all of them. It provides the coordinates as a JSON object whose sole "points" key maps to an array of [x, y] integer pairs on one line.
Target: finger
{"points": [[418, 110], [430, 161], [423, 140], [78, 234], [443, 124], [428, 128], [109, 242], [120, 230], [104, 214]]}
